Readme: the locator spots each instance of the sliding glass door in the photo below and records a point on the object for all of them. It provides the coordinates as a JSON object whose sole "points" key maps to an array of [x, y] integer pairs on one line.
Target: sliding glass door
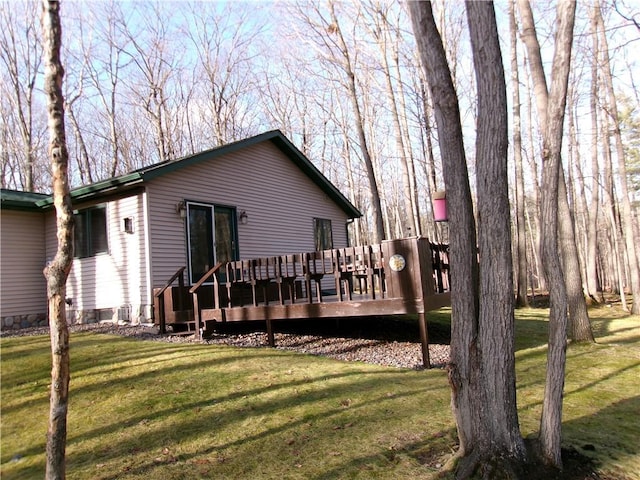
{"points": [[212, 237]]}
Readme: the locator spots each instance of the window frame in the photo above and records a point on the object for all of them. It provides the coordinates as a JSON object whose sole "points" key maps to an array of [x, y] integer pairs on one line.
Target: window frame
{"points": [[92, 244]]}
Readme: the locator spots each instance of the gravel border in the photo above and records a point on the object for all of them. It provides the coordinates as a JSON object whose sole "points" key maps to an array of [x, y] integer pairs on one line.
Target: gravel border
{"points": [[392, 353]]}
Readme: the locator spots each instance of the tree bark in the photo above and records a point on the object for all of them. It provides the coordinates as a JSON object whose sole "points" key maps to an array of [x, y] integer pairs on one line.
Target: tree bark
{"points": [[566, 240], [482, 367], [463, 374], [58, 270], [501, 433]]}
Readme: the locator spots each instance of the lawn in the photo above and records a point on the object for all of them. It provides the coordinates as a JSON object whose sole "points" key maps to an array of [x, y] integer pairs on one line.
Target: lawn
{"points": [[141, 409]]}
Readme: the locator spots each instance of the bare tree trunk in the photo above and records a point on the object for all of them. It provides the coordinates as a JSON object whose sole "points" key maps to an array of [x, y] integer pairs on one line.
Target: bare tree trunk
{"points": [[551, 108], [566, 241], [581, 206], [463, 371], [521, 234], [617, 246], [594, 288], [496, 335], [58, 270], [482, 368], [535, 193], [627, 216]]}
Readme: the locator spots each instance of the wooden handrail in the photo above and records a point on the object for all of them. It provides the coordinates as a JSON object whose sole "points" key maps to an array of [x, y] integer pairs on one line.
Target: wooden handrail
{"points": [[173, 279], [204, 278]]}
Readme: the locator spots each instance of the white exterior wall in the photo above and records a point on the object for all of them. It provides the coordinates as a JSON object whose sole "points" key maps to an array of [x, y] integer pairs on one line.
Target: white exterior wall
{"points": [[113, 280], [23, 289], [280, 200]]}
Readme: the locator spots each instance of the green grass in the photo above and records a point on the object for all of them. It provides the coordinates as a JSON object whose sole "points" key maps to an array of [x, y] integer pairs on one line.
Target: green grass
{"points": [[174, 411]]}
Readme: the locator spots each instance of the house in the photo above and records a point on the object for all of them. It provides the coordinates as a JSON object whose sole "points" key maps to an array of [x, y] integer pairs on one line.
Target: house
{"points": [[256, 197]]}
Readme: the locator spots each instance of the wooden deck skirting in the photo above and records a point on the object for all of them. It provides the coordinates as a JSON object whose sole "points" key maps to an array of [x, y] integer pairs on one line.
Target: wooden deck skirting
{"points": [[396, 277]]}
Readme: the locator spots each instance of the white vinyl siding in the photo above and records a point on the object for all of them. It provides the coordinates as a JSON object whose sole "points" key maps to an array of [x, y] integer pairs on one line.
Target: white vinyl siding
{"points": [[119, 277], [23, 289], [281, 202]]}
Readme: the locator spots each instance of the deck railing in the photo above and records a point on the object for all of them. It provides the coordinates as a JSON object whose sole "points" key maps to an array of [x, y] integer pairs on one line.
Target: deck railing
{"points": [[395, 277], [333, 275]]}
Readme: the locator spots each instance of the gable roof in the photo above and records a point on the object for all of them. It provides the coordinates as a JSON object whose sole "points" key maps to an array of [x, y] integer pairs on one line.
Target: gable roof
{"points": [[145, 174]]}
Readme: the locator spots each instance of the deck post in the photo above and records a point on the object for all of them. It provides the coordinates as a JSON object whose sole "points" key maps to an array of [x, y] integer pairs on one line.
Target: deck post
{"points": [[424, 340], [410, 275], [270, 338]]}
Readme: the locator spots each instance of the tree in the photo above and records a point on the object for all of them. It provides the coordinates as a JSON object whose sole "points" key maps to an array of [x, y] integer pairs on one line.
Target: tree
{"points": [[627, 216], [521, 234], [593, 286], [21, 57], [57, 271], [482, 367], [566, 235], [551, 108]]}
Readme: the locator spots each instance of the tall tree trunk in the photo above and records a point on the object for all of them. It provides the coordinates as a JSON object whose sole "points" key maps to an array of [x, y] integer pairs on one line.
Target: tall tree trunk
{"points": [[627, 216], [594, 287], [463, 374], [409, 226], [617, 246], [482, 368], [58, 270], [501, 432], [551, 108], [535, 191], [521, 234], [581, 207]]}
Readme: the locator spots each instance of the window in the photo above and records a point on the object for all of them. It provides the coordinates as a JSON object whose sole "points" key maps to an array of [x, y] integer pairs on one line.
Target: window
{"points": [[322, 234], [90, 236]]}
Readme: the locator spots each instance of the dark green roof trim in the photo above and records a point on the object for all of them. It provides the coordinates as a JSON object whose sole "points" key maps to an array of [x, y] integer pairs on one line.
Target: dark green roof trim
{"points": [[17, 200], [145, 174], [99, 189]]}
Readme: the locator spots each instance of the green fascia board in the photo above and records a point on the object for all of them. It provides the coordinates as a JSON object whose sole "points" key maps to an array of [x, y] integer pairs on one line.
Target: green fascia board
{"points": [[98, 189], [17, 200]]}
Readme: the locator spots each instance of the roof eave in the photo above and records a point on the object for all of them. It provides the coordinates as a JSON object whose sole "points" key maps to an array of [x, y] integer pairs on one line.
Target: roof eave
{"points": [[99, 189]]}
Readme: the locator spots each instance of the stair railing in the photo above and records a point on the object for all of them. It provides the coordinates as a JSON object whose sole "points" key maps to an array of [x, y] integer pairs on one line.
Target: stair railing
{"points": [[159, 298]]}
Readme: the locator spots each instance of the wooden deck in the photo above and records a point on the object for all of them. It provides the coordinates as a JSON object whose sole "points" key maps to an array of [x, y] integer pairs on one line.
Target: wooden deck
{"points": [[396, 277]]}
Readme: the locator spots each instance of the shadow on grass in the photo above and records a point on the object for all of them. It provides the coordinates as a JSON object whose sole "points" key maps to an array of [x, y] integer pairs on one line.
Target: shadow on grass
{"points": [[341, 419], [608, 448]]}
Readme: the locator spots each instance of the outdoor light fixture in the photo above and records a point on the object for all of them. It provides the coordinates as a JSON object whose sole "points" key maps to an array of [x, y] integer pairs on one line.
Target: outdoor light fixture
{"points": [[181, 209], [243, 217]]}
